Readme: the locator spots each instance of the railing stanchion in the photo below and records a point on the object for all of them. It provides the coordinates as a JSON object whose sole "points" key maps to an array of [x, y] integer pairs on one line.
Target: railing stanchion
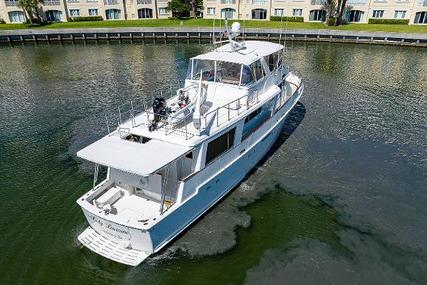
{"points": [[133, 114], [108, 124], [228, 112], [120, 116], [217, 115]]}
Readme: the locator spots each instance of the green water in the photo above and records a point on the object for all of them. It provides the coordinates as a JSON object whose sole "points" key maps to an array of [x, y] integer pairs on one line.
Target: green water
{"points": [[340, 199]]}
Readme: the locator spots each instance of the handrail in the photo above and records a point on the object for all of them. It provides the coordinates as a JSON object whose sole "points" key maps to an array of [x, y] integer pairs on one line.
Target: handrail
{"points": [[227, 106]]}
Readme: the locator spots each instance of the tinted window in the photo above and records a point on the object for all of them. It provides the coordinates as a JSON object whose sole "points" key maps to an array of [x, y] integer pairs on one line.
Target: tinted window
{"points": [[247, 76], [228, 72], [255, 119], [257, 69], [220, 145]]}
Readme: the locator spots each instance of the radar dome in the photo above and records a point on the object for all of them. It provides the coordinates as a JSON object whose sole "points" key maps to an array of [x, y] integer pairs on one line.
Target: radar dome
{"points": [[235, 28]]}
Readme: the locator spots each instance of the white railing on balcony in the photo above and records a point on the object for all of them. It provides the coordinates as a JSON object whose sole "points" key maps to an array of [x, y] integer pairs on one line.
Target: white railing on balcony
{"points": [[143, 2], [228, 1], [51, 2], [357, 2], [317, 2], [111, 2], [11, 2], [259, 2]]}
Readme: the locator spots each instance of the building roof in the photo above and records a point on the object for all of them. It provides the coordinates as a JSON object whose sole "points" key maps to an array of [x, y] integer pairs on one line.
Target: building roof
{"points": [[252, 51], [133, 157]]}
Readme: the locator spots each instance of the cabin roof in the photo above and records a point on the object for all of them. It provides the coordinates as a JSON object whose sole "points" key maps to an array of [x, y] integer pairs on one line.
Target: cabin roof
{"points": [[133, 157], [253, 50]]}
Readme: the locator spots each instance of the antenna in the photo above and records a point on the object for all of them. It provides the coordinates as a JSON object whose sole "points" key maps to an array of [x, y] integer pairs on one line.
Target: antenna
{"points": [[281, 27], [213, 34]]}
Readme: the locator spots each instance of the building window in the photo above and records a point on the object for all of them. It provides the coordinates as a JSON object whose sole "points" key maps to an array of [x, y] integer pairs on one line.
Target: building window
{"points": [[220, 145], [211, 11], [398, 14], [279, 12], [259, 14], [16, 17], [74, 12], [163, 11], [93, 12], [228, 13], [53, 15], [259, 2], [297, 12], [377, 13], [112, 14], [317, 15], [355, 16], [420, 18], [145, 13]]}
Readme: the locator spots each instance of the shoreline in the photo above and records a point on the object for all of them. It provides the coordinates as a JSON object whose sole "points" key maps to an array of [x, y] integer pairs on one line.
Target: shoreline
{"points": [[141, 33]]}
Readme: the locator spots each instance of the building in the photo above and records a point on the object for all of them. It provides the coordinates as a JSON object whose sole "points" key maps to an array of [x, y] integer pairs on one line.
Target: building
{"points": [[311, 10]]}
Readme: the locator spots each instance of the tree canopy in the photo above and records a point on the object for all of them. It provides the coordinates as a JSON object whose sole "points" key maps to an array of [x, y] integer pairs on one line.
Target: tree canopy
{"points": [[185, 8]]}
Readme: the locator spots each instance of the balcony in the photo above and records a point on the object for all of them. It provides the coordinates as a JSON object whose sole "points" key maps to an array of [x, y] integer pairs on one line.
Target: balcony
{"points": [[143, 2], [51, 3], [228, 1], [317, 2], [357, 2], [10, 3], [259, 2], [111, 2]]}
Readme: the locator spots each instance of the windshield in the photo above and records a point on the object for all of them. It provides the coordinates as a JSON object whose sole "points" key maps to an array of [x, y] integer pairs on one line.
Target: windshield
{"points": [[218, 71]]}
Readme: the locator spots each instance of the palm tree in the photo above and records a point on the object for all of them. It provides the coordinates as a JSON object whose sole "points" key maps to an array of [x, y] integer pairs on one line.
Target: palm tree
{"points": [[341, 8], [330, 7], [35, 5], [26, 6]]}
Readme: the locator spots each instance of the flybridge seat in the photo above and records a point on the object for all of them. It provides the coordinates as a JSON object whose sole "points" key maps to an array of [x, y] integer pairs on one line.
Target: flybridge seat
{"points": [[136, 158]]}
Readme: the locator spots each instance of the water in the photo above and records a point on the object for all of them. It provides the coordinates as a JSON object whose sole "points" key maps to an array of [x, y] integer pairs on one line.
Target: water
{"points": [[340, 199]]}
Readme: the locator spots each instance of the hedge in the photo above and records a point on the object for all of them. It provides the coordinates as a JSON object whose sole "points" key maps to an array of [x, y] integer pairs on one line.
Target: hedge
{"points": [[389, 21], [85, 19], [287, 19]]}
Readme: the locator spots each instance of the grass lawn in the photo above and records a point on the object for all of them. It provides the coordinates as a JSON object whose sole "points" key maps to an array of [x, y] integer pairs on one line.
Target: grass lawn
{"points": [[208, 23]]}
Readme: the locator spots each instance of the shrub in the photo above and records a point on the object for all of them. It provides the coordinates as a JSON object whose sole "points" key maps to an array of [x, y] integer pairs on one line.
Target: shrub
{"points": [[85, 19], [2, 21], [389, 21], [331, 21], [35, 23], [287, 19]]}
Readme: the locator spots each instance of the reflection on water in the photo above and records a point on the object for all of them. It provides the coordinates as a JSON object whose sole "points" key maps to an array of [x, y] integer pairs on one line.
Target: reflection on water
{"points": [[339, 199]]}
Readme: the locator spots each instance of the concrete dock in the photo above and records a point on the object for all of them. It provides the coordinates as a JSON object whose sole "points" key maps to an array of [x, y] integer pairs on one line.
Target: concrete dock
{"points": [[142, 33]]}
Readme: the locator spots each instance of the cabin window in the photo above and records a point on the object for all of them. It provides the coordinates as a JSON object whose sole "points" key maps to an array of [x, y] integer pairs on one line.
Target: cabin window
{"points": [[270, 60], [220, 145], [255, 119], [207, 67], [257, 70], [247, 75], [228, 72]]}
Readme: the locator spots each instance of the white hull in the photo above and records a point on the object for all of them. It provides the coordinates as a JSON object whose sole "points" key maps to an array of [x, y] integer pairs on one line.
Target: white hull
{"points": [[109, 239], [167, 168]]}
